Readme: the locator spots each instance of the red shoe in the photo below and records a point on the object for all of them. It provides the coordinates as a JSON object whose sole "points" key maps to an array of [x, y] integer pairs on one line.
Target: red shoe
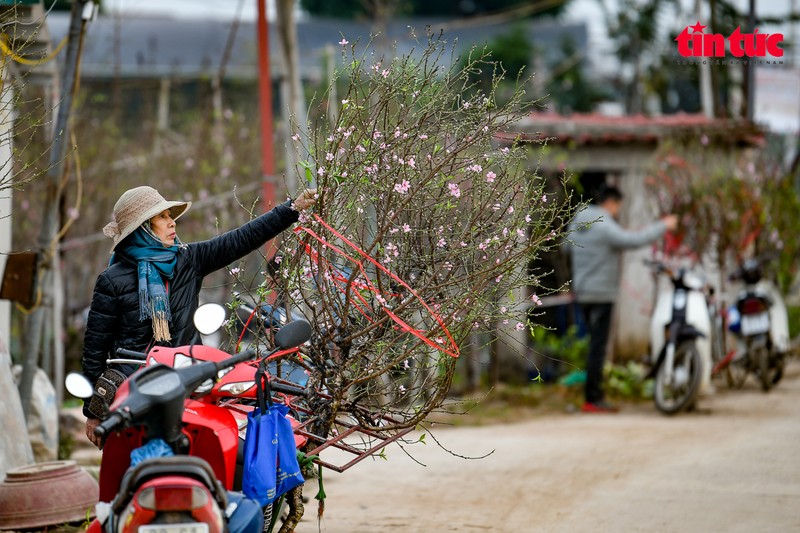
{"points": [[599, 407]]}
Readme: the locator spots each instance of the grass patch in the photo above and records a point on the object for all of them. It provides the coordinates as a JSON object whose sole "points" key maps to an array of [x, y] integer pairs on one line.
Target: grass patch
{"points": [[507, 403]]}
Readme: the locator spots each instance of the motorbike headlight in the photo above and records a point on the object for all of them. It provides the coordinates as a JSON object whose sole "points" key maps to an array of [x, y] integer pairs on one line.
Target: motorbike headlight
{"points": [[692, 281], [238, 387]]}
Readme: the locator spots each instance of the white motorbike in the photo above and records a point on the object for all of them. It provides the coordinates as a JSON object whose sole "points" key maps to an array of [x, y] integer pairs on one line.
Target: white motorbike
{"points": [[760, 322], [680, 341]]}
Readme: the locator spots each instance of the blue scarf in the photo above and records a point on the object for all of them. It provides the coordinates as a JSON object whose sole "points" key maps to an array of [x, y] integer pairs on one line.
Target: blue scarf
{"points": [[154, 262]]}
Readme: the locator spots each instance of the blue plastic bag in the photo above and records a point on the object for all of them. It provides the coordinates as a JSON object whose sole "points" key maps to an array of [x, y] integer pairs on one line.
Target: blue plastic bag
{"points": [[154, 448], [270, 458], [289, 475], [260, 473]]}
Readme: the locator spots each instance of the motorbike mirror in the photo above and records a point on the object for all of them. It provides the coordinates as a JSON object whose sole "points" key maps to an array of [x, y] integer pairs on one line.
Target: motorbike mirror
{"points": [[209, 318], [78, 385], [293, 334]]}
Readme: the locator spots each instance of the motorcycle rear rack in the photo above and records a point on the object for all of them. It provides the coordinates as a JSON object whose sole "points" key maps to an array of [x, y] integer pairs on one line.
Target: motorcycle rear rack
{"points": [[371, 441]]}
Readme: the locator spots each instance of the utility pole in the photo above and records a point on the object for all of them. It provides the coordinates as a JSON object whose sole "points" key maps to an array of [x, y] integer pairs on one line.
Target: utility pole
{"points": [[265, 106], [47, 245], [750, 73], [706, 92]]}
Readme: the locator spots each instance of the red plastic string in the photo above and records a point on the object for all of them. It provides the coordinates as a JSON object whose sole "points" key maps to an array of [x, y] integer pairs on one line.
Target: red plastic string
{"points": [[449, 347], [244, 329], [282, 353]]}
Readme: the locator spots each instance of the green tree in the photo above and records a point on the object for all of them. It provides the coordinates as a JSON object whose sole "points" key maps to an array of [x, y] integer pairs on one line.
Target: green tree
{"points": [[511, 52], [569, 88], [634, 28]]}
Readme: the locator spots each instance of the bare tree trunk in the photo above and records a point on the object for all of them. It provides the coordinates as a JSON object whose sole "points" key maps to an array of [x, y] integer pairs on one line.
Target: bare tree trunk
{"points": [[294, 498], [49, 230], [294, 108]]}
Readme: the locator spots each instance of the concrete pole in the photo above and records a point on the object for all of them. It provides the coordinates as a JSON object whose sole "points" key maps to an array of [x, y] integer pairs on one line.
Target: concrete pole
{"points": [[15, 446], [6, 195], [294, 103]]}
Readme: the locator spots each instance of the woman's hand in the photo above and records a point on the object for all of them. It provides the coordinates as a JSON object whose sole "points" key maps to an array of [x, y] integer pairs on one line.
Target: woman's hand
{"points": [[92, 423], [306, 199]]}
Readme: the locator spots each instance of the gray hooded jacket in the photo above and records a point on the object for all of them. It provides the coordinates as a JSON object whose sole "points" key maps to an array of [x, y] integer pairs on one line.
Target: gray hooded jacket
{"points": [[597, 252]]}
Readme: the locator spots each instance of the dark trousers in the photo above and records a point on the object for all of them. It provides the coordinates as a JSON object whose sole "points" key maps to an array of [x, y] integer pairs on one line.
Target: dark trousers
{"points": [[598, 324]]}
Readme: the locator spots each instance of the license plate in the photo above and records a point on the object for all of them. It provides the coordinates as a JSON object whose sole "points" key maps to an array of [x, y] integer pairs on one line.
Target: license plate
{"points": [[755, 324], [175, 528]]}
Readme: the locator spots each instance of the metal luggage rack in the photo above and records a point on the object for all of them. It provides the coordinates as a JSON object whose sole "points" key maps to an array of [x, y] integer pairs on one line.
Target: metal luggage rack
{"points": [[371, 441]]}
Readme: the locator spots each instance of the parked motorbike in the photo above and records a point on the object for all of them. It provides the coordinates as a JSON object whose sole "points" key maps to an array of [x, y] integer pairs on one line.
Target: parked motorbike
{"points": [[169, 461], [761, 325], [680, 341]]}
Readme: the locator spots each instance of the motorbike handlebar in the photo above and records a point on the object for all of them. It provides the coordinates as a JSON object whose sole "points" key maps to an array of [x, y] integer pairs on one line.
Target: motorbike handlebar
{"points": [[657, 266], [108, 425], [287, 389], [125, 361], [132, 354], [234, 360]]}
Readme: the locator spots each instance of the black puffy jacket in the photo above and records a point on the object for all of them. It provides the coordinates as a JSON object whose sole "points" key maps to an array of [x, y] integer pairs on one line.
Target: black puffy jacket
{"points": [[113, 320]]}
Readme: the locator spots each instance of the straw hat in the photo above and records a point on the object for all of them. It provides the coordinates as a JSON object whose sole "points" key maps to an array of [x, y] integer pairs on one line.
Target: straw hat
{"points": [[135, 207]]}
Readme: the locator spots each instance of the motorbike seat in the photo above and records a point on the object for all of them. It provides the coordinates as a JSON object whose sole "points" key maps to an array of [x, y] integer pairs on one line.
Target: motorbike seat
{"points": [[179, 465]]}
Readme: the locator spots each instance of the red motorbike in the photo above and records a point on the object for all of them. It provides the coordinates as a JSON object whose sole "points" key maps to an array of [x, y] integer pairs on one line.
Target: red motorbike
{"points": [[169, 461]]}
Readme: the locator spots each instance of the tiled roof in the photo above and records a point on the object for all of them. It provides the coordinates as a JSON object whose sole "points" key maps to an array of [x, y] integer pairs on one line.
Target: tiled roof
{"points": [[143, 46], [596, 128]]}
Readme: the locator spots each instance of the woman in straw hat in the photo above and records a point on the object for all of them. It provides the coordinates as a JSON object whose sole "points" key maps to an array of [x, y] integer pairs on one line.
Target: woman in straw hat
{"points": [[149, 292]]}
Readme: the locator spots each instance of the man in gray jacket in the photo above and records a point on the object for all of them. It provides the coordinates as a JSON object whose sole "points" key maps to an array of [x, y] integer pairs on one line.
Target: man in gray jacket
{"points": [[599, 242]]}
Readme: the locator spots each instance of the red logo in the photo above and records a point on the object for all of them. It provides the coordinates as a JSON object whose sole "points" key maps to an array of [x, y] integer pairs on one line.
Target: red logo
{"points": [[699, 44]]}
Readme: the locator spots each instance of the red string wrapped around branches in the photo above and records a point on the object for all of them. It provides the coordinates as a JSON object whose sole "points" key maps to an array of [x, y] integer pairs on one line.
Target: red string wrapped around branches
{"points": [[445, 345]]}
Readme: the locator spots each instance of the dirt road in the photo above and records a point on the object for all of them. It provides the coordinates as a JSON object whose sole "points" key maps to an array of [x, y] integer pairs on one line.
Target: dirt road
{"points": [[734, 466]]}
